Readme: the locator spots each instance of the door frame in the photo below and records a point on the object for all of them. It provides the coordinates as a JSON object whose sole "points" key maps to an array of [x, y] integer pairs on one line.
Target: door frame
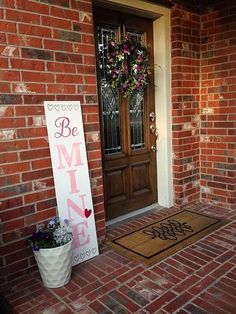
{"points": [[162, 79]]}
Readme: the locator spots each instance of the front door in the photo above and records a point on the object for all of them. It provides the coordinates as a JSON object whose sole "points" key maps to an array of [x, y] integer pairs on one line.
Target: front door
{"points": [[128, 124]]}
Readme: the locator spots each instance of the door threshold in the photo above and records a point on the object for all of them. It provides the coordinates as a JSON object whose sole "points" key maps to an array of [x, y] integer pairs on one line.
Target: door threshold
{"points": [[139, 212]]}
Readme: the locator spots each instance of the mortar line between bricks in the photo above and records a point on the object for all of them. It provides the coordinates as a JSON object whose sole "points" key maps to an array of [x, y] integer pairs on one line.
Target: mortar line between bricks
{"points": [[61, 300], [212, 303], [202, 291], [121, 285], [196, 295]]}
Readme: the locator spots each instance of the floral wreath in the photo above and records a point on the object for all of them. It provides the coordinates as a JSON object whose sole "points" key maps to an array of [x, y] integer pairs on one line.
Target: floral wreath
{"points": [[128, 65]]}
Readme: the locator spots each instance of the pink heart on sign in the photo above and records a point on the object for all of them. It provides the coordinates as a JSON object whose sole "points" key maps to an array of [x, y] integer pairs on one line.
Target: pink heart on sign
{"points": [[87, 212]]}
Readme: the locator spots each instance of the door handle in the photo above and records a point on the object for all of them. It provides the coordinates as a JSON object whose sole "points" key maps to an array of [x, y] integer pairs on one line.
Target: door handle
{"points": [[153, 130]]}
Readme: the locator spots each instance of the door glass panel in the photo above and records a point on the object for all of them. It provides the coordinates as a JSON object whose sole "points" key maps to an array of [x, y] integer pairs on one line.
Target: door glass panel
{"points": [[136, 106], [135, 36], [108, 99]]}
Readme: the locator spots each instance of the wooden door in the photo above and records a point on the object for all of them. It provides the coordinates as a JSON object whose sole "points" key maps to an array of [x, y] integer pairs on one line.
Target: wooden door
{"points": [[129, 160]]}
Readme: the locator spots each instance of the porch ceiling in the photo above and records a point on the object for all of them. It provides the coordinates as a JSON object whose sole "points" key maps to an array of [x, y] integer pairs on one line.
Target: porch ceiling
{"points": [[199, 6]]}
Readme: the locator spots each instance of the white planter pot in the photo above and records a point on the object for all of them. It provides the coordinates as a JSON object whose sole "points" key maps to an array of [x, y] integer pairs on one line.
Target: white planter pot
{"points": [[55, 265]]}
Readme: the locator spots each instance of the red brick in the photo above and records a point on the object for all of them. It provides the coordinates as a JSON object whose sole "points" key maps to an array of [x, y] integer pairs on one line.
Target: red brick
{"points": [[188, 262], [5, 87], [38, 196], [89, 89], [200, 285], [219, 303], [37, 77], [83, 6], [40, 216], [11, 203], [18, 256], [22, 16], [16, 168], [10, 75], [165, 274], [180, 301], [7, 158], [87, 39], [98, 307], [84, 49], [7, 26], [210, 308], [61, 67], [36, 65], [55, 22], [40, 31], [60, 89], [35, 175], [10, 180], [222, 295], [89, 60], [29, 110], [68, 78], [32, 6], [122, 299], [158, 303], [31, 132], [64, 13], [21, 40], [17, 212], [49, 203], [12, 225], [42, 163]]}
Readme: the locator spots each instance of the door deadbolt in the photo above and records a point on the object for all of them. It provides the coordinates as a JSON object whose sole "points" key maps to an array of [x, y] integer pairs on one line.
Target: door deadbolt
{"points": [[152, 128], [152, 116]]}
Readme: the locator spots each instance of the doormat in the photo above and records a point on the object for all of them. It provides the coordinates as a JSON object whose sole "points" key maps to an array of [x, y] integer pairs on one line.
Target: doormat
{"points": [[158, 240]]}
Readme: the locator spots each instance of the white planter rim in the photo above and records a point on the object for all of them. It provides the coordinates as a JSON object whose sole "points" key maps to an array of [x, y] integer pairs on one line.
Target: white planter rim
{"points": [[52, 248]]}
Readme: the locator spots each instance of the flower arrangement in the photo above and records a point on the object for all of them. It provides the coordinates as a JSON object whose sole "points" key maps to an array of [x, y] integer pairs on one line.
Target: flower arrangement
{"points": [[128, 65], [57, 233]]}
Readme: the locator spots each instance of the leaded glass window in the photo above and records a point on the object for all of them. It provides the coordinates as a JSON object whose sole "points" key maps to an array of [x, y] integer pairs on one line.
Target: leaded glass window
{"points": [[136, 110], [109, 100]]}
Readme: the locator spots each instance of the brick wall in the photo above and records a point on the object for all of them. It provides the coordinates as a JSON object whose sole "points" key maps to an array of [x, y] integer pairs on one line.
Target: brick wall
{"points": [[203, 103], [46, 53], [185, 37], [49, 55], [218, 106]]}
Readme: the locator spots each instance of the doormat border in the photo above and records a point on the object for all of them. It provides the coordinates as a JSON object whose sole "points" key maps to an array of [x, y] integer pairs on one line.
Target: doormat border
{"points": [[174, 248]]}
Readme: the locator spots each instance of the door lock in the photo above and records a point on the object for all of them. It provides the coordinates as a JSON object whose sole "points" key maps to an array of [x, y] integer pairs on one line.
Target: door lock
{"points": [[152, 116], [153, 148], [153, 129]]}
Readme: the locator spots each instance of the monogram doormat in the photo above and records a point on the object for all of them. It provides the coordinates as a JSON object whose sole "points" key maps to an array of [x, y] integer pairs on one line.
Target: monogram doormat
{"points": [[154, 242]]}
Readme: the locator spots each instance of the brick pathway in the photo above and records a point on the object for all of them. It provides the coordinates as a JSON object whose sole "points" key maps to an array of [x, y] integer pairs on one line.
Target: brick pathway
{"points": [[199, 279]]}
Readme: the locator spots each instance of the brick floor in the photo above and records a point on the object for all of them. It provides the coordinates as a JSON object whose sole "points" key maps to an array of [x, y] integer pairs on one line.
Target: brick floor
{"points": [[198, 279]]}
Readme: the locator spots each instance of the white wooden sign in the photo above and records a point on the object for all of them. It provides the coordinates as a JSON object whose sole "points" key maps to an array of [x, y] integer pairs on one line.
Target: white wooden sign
{"points": [[71, 177]]}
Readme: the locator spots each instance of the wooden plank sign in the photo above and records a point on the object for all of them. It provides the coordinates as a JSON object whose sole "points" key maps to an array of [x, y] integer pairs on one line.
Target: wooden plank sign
{"points": [[71, 177]]}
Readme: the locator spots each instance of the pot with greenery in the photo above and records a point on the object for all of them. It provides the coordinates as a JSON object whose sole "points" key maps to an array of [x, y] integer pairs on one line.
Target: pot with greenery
{"points": [[52, 246]]}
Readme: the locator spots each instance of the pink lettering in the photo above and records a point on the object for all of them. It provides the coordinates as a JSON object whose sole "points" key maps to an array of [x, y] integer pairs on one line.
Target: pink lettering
{"points": [[72, 206], [81, 237], [75, 151], [63, 123], [73, 184]]}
